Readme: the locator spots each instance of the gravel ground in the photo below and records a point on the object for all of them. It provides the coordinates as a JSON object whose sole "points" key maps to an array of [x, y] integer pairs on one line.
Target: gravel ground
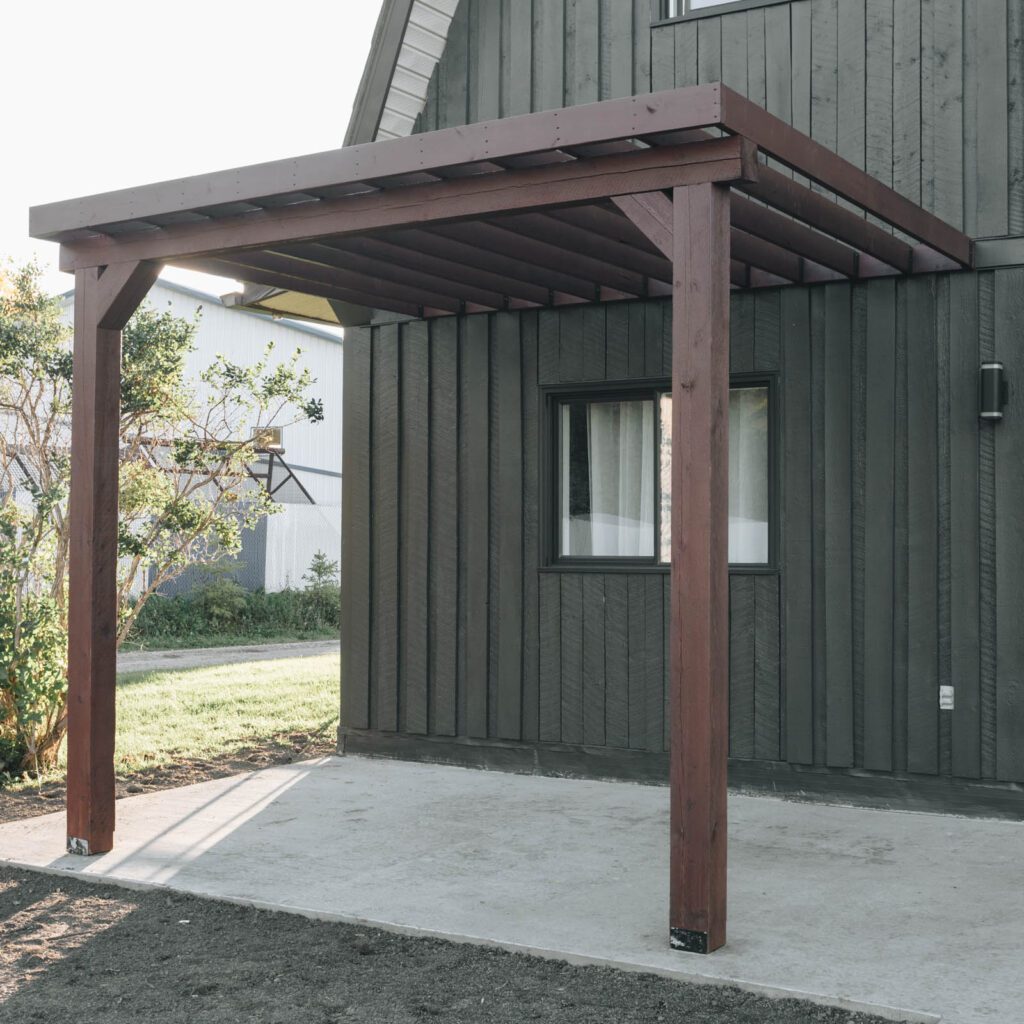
{"points": [[71, 951]]}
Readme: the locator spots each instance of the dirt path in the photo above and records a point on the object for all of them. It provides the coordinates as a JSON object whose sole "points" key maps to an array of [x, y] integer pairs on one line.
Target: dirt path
{"points": [[157, 661], [71, 951]]}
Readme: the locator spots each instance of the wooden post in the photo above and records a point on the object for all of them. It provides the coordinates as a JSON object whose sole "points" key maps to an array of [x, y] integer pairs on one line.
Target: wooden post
{"points": [[699, 635], [104, 299]]}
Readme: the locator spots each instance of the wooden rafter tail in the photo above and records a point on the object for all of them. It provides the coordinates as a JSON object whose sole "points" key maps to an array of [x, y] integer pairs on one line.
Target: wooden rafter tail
{"points": [[720, 160], [801, 153]]}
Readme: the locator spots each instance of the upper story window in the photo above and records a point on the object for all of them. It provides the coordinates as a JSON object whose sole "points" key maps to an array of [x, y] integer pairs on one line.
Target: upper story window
{"points": [[614, 482], [680, 8]]}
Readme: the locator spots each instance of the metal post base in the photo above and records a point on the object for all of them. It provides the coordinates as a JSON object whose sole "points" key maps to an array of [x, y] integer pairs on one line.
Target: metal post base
{"points": [[78, 846], [687, 941]]}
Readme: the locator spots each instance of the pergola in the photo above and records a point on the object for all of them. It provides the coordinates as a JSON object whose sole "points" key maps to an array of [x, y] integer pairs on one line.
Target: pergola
{"points": [[684, 193]]}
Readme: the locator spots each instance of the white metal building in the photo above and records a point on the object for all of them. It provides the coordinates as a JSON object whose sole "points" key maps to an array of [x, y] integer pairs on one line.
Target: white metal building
{"points": [[277, 553]]}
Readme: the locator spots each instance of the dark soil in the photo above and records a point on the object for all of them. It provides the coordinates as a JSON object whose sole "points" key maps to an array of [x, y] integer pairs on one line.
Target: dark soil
{"points": [[71, 951], [29, 801]]}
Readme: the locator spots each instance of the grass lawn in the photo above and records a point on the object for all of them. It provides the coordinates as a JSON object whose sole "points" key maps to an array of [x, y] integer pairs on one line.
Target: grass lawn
{"points": [[177, 728], [203, 713]]}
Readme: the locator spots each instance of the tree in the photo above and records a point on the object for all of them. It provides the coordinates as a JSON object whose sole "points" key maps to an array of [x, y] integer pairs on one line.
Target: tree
{"points": [[185, 493]]}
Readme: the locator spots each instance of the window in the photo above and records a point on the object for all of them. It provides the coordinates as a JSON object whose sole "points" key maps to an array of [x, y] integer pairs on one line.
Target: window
{"points": [[680, 8], [615, 476]]}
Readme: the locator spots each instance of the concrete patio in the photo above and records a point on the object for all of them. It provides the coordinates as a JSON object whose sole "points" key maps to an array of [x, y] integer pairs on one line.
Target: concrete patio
{"points": [[913, 916]]}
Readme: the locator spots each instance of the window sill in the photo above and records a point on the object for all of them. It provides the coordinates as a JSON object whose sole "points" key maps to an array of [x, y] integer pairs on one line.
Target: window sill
{"points": [[713, 12], [635, 568]]}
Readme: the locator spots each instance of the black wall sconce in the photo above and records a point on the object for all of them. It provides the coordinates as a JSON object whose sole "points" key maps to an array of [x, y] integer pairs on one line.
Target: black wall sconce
{"points": [[993, 391]]}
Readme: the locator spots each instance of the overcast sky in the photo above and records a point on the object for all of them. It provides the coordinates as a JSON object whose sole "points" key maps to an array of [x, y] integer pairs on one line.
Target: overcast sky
{"points": [[107, 94]]}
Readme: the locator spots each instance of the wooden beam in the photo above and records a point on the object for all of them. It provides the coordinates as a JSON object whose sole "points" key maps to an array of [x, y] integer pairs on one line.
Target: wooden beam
{"points": [[120, 290], [323, 173], [803, 154], [355, 256], [652, 214], [596, 244], [92, 591], [775, 189], [290, 282], [699, 622], [726, 159], [469, 272], [467, 248], [792, 235]]}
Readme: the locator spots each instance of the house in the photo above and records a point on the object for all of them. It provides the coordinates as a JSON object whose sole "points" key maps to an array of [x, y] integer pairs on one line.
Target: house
{"points": [[875, 648], [664, 446], [277, 553]]}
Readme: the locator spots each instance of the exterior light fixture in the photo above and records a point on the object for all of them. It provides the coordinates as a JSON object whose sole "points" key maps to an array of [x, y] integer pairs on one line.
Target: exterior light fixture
{"points": [[993, 391]]}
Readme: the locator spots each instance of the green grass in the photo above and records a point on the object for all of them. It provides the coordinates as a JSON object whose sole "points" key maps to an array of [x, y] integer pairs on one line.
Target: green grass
{"points": [[201, 713], [196, 641]]}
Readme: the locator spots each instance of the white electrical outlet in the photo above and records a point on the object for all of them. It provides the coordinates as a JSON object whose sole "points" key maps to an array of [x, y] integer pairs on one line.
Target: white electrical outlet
{"points": [[946, 699]]}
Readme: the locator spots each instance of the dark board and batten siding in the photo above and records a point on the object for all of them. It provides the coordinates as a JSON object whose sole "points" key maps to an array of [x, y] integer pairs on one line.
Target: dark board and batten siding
{"points": [[896, 517], [899, 535], [924, 94]]}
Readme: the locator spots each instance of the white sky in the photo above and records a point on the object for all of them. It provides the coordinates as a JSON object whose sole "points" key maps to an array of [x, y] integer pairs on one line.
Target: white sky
{"points": [[107, 94]]}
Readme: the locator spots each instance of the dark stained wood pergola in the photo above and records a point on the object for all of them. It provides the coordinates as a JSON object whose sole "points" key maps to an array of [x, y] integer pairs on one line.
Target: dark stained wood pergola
{"points": [[684, 193]]}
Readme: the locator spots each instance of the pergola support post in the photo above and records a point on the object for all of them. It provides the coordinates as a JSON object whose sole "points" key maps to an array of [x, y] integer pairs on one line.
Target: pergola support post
{"points": [[104, 300], [699, 629]]}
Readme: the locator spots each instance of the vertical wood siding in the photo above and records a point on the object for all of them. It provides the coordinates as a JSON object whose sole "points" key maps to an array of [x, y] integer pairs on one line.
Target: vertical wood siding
{"points": [[925, 94], [900, 536], [898, 519]]}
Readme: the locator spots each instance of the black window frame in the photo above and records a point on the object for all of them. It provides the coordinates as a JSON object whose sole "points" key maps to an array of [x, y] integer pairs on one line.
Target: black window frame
{"points": [[660, 9], [554, 396]]}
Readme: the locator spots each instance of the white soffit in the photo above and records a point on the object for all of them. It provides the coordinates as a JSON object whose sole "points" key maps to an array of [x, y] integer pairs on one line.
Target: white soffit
{"points": [[422, 47]]}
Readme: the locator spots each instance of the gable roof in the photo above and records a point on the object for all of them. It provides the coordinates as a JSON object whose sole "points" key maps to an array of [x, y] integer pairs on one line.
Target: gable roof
{"points": [[408, 42]]}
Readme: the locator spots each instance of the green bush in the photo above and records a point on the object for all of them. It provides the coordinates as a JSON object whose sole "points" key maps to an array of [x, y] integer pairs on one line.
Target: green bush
{"points": [[224, 610], [33, 651]]}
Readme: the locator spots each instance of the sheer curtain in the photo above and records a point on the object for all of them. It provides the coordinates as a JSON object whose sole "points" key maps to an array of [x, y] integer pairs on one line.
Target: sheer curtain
{"points": [[608, 491]]}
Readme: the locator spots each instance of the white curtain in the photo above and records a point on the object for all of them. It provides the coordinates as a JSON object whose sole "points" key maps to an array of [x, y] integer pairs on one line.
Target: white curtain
{"points": [[618, 520]]}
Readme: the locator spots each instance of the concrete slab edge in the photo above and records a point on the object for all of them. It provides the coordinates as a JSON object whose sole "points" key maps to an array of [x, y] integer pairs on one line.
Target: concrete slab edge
{"points": [[893, 1013]]}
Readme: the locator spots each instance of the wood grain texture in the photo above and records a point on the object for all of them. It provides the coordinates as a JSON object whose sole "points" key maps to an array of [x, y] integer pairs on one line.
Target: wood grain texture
{"points": [[838, 567], [1009, 534], [593, 659], [880, 411], [414, 501], [942, 113], [987, 541], [741, 666], [797, 549], [986, 119], [699, 634], [385, 538], [475, 519], [571, 624], [964, 527], [507, 525], [922, 530], [767, 710], [616, 656], [355, 530], [92, 594], [550, 658], [906, 99], [444, 533], [533, 518]]}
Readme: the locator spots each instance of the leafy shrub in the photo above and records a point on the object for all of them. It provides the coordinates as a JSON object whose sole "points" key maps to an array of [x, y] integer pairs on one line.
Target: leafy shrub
{"points": [[221, 608], [33, 649]]}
